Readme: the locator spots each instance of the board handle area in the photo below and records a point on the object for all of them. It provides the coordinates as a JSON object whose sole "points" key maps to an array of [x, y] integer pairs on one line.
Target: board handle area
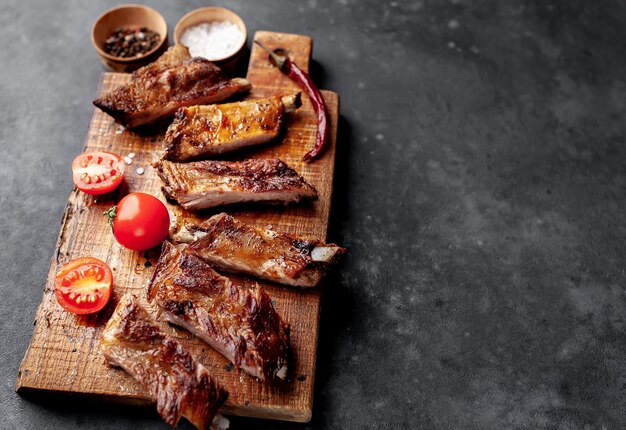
{"points": [[262, 74]]}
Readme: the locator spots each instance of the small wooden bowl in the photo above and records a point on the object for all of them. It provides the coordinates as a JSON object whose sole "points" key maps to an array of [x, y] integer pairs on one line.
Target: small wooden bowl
{"points": [[213, 14], [123, 17]]}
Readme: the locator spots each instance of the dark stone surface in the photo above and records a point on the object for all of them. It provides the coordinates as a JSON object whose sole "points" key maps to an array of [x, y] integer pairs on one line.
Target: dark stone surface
{"points": [[480, 191]]}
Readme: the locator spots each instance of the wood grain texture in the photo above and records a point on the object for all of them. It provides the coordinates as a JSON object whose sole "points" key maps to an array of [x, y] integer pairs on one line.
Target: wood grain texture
{"points": [[63, 355]]}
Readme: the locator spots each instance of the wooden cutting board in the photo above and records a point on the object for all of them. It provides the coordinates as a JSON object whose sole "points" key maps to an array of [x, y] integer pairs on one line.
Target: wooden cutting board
{"points": [[63, 355]]}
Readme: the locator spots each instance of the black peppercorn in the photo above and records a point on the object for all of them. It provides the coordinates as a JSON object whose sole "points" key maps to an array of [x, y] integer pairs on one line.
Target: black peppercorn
{"points": [[131, 42]]}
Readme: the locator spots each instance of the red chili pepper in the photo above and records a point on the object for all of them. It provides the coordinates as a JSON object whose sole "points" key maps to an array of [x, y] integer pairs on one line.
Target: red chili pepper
{"points": [[291, 69]]}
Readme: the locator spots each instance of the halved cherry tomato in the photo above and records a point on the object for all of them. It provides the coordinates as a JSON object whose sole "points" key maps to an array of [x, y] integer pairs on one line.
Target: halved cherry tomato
{"points": [[83, 286], [97, 172], [140, 221]]}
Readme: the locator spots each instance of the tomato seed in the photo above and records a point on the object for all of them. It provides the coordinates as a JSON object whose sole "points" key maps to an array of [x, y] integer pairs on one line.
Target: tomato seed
{"points": [[72, 295]]}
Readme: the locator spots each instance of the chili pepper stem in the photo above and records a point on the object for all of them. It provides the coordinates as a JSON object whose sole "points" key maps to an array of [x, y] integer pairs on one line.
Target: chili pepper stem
{"points": [[278, 59]]}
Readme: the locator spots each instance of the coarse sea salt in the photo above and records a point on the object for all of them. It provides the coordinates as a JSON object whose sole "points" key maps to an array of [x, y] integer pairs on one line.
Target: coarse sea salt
{"points": [[213, 40]]}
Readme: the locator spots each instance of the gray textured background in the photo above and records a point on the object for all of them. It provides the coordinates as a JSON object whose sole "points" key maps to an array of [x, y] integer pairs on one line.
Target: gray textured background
{"points": [[480, 191]]}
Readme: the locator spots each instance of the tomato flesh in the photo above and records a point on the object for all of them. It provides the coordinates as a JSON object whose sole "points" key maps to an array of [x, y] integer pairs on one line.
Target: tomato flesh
{"points": [[97, 172], [141, 222], [83, 286]]}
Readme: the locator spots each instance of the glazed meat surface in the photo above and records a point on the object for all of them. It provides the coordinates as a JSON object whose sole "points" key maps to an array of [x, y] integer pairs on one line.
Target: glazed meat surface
{"points": [[202, 131], [242, 325], [179, 384], [234, 246], [204, 184], [173, 81]]}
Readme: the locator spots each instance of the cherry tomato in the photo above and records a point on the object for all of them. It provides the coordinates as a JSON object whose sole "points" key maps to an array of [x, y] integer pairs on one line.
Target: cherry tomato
{"points": [[83, 286], [97, 172], [141, 221]]}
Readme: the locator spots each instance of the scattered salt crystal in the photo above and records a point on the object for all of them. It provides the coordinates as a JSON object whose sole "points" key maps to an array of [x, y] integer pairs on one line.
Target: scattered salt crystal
{"points": [[452, 24], [451, 45], [140, 170], [214, 40], [128, 160], [131, 155], [120, 129]]}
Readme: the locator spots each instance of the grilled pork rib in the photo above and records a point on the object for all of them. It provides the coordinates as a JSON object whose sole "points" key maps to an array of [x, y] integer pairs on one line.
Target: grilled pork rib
{"points": [[205, 184], [202, 131], [234, 246], [241, 325], [174, 80], [179, 384]]}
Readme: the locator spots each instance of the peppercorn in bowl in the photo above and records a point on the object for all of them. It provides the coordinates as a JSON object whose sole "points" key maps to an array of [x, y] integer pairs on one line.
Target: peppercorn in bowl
{"points": [[128, 37]]}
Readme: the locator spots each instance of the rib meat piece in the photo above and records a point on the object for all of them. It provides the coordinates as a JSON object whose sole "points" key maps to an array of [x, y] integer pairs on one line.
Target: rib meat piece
{"points": [[174, 80], [179, 384], [242, 325], [202, 131], [209, 183], [234, 246]]}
